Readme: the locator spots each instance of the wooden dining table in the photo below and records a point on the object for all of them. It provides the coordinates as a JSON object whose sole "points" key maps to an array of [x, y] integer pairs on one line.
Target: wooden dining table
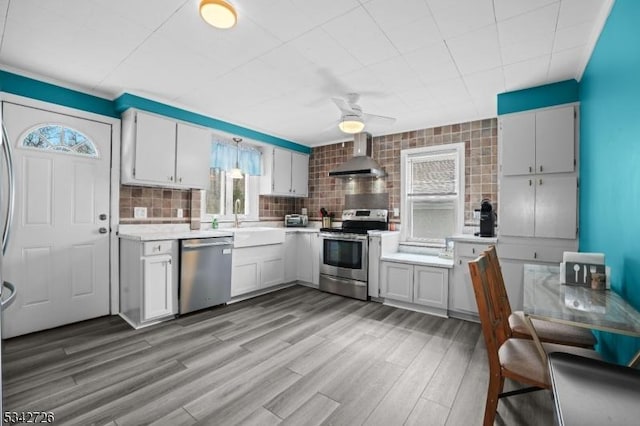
{"points": [[545, 298]]}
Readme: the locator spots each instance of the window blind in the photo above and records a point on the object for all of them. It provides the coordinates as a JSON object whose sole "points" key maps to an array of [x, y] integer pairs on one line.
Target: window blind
{"points": [[433, 175]]}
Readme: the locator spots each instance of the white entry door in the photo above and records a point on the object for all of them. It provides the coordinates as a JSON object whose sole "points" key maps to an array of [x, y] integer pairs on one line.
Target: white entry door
{"points": [[58, 255]]}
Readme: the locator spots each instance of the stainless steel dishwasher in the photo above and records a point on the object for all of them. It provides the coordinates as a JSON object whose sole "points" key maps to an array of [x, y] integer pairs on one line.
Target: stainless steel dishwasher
{"points": [[205, 273]]}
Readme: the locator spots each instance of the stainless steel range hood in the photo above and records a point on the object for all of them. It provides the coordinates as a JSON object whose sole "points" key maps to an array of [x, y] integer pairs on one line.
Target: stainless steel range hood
{"points": [[361, 164]]}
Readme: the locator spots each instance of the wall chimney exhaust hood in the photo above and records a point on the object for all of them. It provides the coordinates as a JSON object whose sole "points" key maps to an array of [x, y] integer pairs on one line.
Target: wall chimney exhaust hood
{"points": [[361, 164]]}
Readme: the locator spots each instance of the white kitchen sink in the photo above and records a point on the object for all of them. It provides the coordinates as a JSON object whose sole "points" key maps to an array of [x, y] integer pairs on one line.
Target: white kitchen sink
{"points": [[256, 236]]}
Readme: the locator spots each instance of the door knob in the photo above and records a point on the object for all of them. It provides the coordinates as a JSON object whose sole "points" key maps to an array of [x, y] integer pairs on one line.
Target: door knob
{"points": [[102, 230], [102, 217]]}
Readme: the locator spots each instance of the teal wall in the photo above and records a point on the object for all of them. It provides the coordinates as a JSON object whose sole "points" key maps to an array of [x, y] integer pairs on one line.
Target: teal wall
{"points": [[36, 89], [610, 159], [563, 92]]}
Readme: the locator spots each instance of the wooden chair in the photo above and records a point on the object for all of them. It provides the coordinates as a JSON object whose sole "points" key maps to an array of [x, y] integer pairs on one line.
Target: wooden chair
{"points": [[509, 357], [547, 331]]}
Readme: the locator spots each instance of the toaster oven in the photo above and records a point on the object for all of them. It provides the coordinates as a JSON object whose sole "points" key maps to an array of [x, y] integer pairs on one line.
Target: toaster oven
{"points": [[296, 220]]}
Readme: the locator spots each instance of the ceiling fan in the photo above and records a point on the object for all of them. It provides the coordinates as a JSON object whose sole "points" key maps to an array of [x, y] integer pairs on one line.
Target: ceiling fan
{"points": [[353, 119]]}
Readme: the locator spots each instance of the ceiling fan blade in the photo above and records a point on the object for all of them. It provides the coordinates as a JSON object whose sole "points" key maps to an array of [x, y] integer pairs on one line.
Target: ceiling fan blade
{"points": [[342, 105], [378, 119]]}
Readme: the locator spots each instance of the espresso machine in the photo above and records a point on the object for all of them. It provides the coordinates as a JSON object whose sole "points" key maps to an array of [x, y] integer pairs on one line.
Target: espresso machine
{"points": [[487, 219]]}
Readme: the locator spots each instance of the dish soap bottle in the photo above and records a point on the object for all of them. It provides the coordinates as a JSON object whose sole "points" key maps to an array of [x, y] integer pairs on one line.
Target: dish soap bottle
{"points": [[214, 223]]}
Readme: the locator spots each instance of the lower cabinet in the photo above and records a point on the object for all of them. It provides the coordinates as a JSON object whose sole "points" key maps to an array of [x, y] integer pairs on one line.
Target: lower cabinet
{"points": [[156, 287], [148, 281], [415, 284], [462, 299], [255, 268], [302, 257]]}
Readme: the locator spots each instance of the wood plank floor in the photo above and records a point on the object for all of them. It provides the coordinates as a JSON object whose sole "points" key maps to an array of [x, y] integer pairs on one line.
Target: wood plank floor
{"points": [[293, 357]]}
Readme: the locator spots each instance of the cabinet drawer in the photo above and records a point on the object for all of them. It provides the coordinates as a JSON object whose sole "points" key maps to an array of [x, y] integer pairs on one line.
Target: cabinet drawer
{"points": [[531, 253], [470, 250], [157, 247]]}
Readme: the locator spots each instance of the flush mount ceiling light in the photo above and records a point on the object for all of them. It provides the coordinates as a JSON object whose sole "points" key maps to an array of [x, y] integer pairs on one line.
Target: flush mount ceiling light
{"points": [[236, 172], [351, 123], [218, 13]]}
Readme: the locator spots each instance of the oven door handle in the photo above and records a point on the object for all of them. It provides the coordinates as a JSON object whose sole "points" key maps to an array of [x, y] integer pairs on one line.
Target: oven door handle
{"points": [[334, 238], [341, 280]]}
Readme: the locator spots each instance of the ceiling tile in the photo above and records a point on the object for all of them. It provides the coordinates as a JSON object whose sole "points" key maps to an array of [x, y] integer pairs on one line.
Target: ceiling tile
{"points": [[358, 33], [319, 12], [414, 35], [450, 92], [419, 98], [137, 11], [525, 74], [476, 51], [529, 26], [459, 17], [570, 37], [432, 63], [527, 49], [574, 12], [291, 63], [563, 64], [318, 47], [281, 18], [395, 74], [392, 14], [485, 84], [506, 9]]}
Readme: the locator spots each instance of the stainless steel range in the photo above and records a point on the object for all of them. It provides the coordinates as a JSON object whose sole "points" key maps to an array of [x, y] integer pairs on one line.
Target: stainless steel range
{"points": [[344, 256]]}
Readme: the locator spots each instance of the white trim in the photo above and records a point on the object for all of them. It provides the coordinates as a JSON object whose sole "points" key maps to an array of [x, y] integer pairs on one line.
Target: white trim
{"points": [[114, 250], [405, 154]]}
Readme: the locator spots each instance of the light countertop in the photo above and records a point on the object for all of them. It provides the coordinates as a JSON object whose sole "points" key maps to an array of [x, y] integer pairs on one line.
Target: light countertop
{"points": [[155, 235], [302, 230], [470, 238], [418, 259]]}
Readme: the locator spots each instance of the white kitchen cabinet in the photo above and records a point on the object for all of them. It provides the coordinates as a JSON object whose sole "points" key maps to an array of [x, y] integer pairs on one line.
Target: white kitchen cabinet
{"points": [[158, 151], [257, 268], [148, 281], [397, 281], [543, 206], [462, 299], [286, 173], [156, 287], [290, 257], [415, 284], [304, 257], [538, 142]]}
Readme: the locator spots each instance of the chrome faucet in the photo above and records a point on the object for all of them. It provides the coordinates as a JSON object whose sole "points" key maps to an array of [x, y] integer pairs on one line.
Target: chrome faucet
{"points": [[236, 222]]}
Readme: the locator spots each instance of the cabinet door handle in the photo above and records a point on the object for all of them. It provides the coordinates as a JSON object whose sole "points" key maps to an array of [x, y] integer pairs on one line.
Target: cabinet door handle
{"points": [[171, 178], [460, 262], [180, 180], [530, 169], [540, 168], [473, 250], [102, 230], [535, 255], [530, 183], [540, 181], [159, 247]]}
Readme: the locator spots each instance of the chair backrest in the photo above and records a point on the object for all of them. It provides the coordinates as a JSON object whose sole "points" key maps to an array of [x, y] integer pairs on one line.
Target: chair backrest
{"points": [[499, 288], [492, 318]]}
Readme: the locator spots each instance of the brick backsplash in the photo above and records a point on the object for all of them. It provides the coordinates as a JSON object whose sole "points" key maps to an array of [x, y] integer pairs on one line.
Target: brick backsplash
{"points": [[161, 203], [481, 159]]}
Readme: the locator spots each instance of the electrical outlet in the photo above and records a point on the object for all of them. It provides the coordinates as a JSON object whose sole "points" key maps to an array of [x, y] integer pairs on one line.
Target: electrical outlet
{"points": [[476, 215], [396, 212], [140, 212], [179, 213]]}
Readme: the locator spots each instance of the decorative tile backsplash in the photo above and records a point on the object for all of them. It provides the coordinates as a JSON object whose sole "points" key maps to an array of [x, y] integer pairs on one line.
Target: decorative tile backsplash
{"points": [[162, 204], [481, 160]]}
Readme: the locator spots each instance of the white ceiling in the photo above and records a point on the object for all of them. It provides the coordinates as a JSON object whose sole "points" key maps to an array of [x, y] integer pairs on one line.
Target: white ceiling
{"points": [[425, 62]]}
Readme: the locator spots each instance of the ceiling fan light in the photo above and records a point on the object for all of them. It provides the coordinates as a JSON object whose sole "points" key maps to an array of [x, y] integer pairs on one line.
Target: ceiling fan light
{"points": [[351, 125], [218, 13]]}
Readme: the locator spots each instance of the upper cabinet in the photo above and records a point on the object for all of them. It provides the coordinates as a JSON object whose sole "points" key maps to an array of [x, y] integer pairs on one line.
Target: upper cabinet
{"points": [[162, 152], [538, 182], [538, 142], [286, 173]]}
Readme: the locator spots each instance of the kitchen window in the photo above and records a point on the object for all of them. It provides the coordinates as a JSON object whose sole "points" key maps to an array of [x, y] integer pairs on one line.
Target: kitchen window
{"points": [[219, 200], [432, 188]]}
